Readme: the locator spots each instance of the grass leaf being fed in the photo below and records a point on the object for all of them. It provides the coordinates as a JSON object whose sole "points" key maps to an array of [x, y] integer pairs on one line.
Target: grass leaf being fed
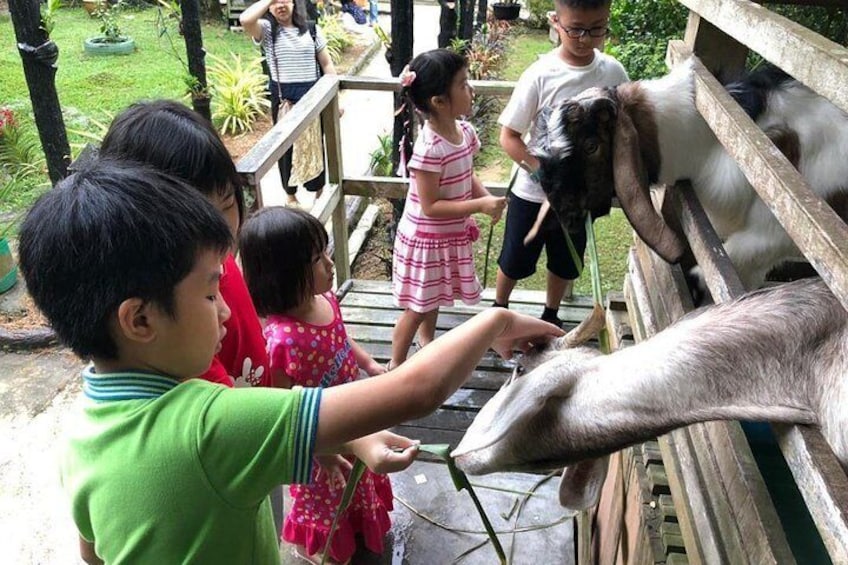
{"points": [[355, 475], [460, 481], [595, 271]]}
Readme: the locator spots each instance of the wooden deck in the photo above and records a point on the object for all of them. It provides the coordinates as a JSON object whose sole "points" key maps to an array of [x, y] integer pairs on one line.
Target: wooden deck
{"points": [[370, 317]]}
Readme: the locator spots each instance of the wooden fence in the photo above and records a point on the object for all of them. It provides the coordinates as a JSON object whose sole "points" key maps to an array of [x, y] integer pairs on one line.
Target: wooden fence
{"points": [[721, 504]]}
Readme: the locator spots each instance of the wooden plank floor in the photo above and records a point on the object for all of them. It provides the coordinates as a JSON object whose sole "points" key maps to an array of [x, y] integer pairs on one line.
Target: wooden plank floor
{"points": [[370, 317]]}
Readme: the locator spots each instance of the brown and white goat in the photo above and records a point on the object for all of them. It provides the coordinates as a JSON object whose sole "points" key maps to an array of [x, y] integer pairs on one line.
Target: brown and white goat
{"points": [[774, 355], [620, 140]]}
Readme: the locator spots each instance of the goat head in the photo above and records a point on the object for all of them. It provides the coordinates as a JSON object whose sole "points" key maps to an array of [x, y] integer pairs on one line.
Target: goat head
{"points": [[589, 150], [517, 430]]}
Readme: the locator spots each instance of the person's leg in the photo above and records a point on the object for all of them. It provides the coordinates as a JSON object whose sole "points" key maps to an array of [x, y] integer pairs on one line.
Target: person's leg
{"points": [[285, 166], [427, 329], [516, 261], [562, 271], [374, 11], [403, 334], [504, 286]]}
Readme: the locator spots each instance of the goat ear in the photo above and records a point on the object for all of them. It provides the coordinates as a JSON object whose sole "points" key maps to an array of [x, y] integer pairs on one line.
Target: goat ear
{"points": [[634, 193], [581, 484], [590, 327]]}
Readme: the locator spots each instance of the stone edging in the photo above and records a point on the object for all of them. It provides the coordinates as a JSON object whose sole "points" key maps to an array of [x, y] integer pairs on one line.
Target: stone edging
{"points": [[366, 57], [22, 340]]}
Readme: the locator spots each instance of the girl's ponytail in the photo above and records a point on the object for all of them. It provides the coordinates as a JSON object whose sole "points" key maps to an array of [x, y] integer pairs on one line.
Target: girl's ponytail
{"points": [[405, 113]]}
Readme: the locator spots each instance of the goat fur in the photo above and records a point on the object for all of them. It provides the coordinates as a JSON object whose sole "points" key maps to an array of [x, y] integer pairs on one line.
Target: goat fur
{"points": [[776, 355], [619, 140]]}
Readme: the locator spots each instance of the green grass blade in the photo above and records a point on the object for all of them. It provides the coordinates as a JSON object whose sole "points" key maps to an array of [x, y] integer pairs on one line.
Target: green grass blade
{"points": [[595, 271], [460, 481], [355, 475]]}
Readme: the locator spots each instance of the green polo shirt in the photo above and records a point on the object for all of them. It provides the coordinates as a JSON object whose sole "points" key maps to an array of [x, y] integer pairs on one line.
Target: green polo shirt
{"points": [[160, 471]]}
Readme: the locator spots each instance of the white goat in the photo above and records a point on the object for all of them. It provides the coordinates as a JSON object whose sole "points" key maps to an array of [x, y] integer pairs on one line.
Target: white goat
{"points": [[621, 139], [776, 355]]}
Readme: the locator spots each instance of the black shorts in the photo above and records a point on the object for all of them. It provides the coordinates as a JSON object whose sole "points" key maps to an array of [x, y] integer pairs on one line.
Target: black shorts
{"points": [[518, 261]]}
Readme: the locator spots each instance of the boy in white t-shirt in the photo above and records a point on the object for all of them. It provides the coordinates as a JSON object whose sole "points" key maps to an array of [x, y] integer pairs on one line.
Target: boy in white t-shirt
{"points": [[574, 66]]}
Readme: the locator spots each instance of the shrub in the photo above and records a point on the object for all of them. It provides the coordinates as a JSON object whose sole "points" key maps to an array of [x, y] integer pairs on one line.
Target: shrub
{"points": [[239, 93], [381, 157], [338, 38], [538, 10]]}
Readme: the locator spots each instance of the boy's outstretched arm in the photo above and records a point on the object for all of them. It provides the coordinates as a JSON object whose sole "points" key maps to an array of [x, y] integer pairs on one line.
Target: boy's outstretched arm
{"points": [[385, 452], [425, 380], [87, 552]]}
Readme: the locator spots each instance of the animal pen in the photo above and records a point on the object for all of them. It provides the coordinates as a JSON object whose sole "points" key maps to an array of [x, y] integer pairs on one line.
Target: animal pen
{"points": [[696, 495]]}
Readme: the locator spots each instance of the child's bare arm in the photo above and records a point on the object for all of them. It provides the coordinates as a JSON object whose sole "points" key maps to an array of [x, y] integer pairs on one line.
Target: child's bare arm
{"points": [[281, 379], [385, 452], [423, 382], [512, 142], [428, 191], [87, 552], [364, 360]]}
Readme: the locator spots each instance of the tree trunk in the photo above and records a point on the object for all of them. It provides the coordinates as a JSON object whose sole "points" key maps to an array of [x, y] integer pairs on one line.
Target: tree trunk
{"points": [[482, 13], [447, 22], [190, 28], [466, 21], [38, 57], [401, 54]]}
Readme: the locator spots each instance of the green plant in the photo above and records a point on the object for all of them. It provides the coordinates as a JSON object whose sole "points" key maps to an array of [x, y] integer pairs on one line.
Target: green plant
{"points": [[381, 157], [21, 167], [110, 29], [239, 93], [338, 38], [538, 13], [48, 15]]}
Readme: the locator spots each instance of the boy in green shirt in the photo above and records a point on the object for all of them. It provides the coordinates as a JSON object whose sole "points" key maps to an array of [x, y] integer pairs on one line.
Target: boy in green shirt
{"points": [[125, 263]]}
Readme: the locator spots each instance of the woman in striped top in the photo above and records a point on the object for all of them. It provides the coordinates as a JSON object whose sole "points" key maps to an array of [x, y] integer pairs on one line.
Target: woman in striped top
{"points": [[433, 263], [297, 56]]}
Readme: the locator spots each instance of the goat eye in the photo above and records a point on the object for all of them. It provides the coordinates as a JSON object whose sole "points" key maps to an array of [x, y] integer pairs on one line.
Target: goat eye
{"points": [[590, 146]]}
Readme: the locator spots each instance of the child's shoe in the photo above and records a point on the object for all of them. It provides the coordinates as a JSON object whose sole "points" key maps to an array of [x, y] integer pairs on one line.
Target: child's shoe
{"points": [[550, 316]]}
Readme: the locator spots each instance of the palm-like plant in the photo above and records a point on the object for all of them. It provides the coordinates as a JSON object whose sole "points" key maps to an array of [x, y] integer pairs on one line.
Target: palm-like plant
{"points": [[239, 93]]}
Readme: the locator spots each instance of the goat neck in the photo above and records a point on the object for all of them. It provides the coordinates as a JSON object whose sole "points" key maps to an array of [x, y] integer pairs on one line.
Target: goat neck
{"points": [[779, 355]]}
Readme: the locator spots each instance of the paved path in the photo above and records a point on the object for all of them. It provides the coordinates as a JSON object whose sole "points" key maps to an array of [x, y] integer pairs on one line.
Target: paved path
{"points": [[368, 114]]}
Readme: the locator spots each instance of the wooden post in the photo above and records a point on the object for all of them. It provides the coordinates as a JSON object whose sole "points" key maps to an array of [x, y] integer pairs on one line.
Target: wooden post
{"points": [[38, 57], [190, 27], [332, 132], [402, 34], [720, 53]]}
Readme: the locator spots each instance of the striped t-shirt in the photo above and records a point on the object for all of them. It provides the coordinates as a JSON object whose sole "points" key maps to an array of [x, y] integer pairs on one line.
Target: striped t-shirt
{"points": [[292, 57]]}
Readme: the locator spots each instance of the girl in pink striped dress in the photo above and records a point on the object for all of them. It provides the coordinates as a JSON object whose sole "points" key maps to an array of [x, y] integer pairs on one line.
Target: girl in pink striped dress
{"points": [[433, 262]]}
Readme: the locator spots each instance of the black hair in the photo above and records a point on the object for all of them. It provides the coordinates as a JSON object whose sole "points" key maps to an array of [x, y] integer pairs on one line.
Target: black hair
{"points": [[174, 138], [298, 20], [434, 72], [583, 4], [277, 247], [110, 232]]}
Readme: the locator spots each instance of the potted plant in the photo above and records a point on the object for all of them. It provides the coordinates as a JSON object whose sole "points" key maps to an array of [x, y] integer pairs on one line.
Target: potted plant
{"points": [[112, 41], [506, 9]]}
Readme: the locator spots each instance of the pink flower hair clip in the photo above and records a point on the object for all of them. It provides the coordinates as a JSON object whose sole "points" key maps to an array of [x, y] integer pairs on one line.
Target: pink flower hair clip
{"points": [[407, 77]]}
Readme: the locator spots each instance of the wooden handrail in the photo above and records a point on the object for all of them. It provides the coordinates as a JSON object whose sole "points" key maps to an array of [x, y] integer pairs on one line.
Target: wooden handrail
{"points": [[814, 227], [816, 61]]}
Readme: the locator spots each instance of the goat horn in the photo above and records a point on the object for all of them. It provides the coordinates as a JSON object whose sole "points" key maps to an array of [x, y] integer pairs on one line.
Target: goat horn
{"points": [[537, 225], [587, 329]]}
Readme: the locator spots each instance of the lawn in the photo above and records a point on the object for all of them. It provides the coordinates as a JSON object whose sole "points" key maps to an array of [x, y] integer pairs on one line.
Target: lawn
{"points": [[612, 233], [93, 89]]}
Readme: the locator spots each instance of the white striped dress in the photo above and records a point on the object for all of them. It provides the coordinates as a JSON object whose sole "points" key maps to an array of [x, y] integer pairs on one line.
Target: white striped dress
{"points": [[433, 261]]}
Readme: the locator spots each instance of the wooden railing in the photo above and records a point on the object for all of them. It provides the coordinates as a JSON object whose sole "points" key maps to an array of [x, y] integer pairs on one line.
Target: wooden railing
{"points": [[725, 513], [323, 101]]}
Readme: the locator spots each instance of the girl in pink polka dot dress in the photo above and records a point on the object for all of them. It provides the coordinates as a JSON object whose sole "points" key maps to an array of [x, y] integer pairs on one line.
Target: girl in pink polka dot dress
{"points": [[308, 346]]}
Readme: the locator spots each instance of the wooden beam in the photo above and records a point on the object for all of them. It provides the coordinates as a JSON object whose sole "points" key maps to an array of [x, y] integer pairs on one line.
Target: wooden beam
{"points": [[814, 227], [279, 138], [487, 87], [819, 63], [396, 187]]}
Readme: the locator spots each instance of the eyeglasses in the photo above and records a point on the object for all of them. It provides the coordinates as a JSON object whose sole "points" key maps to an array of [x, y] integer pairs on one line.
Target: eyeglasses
{"points": [[578, 32]]}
